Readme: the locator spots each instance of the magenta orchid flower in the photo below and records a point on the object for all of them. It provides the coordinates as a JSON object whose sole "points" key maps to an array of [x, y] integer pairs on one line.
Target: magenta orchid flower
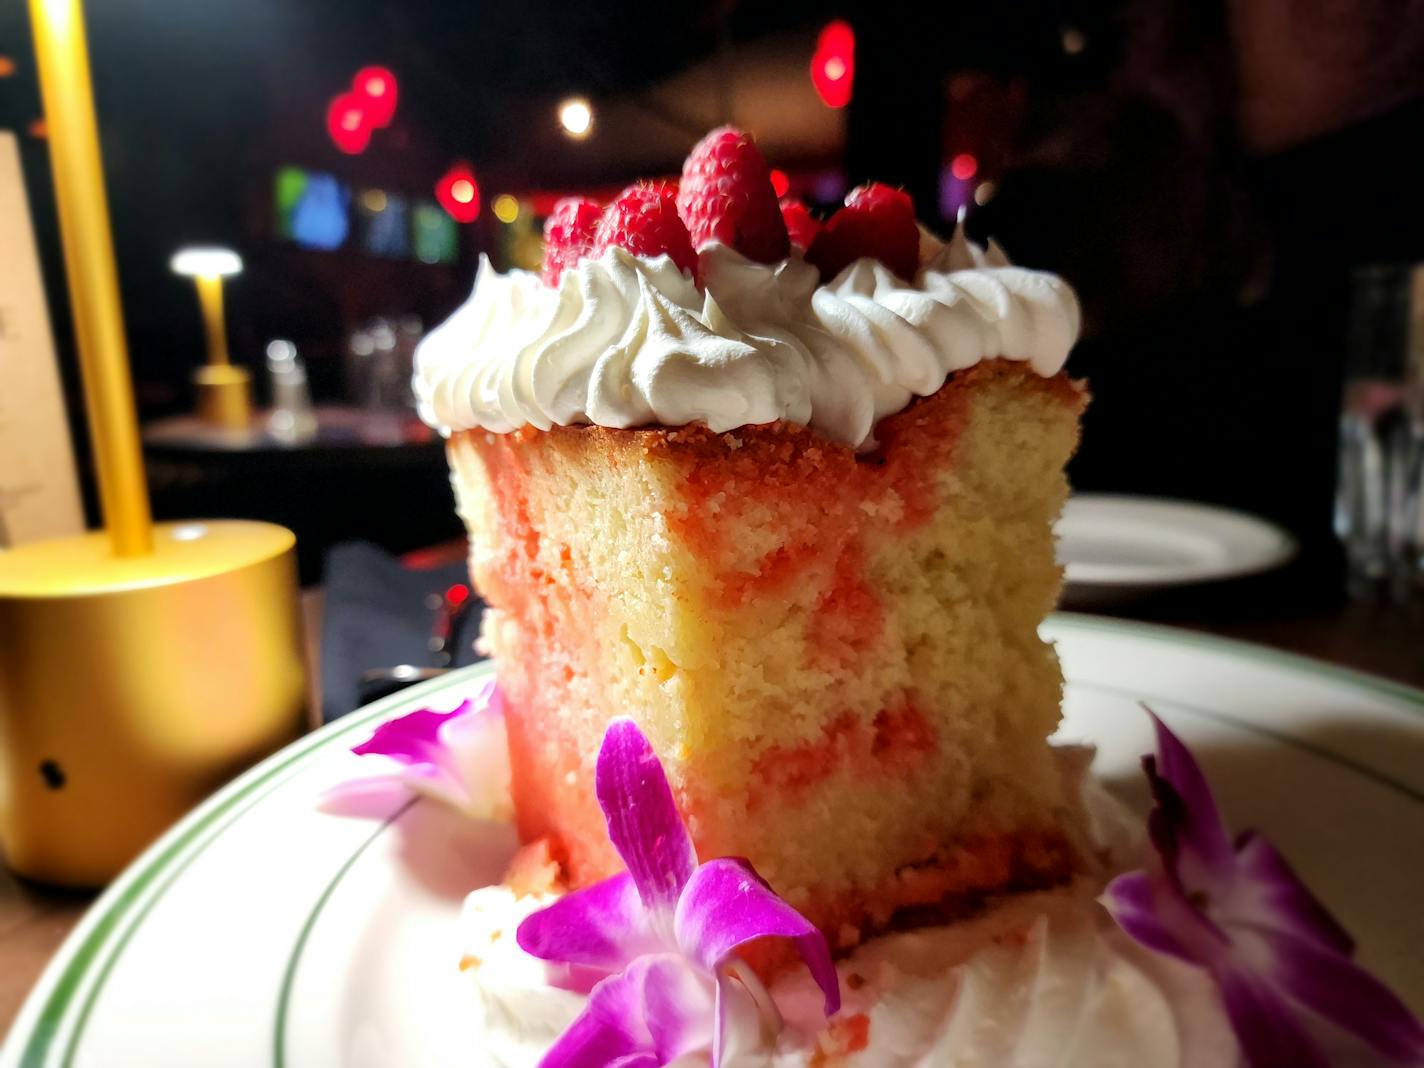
{"points": [[457, 757], [1240, 912], [657, 944]]}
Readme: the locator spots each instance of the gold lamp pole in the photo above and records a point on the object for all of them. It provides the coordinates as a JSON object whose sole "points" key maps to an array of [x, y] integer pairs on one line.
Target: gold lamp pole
{"points": [[224, 391], [141, 665]]}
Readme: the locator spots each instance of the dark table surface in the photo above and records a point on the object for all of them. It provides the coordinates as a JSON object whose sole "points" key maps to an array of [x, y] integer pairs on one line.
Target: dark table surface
{"points": [[1381, 639], [356, 458]]}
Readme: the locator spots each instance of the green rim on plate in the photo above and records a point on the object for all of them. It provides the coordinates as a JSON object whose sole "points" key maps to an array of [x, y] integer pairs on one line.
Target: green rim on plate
{"points": [[173, 852], [143, 885]]}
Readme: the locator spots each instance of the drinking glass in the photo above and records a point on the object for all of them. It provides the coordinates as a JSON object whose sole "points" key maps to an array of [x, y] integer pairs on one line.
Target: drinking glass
{"points": [[1379, 506]]}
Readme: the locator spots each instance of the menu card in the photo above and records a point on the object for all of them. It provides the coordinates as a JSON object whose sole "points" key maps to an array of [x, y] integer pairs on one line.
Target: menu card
{"points": [[39, 489]]}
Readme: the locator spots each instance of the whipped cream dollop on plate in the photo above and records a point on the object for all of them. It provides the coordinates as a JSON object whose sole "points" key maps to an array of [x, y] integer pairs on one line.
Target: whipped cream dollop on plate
{"points": [[627, 341], [1035, 980]]}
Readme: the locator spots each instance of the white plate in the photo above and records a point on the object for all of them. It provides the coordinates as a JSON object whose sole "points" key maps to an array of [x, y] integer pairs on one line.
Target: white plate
{"points": [[1142, 543], [260, 931]]}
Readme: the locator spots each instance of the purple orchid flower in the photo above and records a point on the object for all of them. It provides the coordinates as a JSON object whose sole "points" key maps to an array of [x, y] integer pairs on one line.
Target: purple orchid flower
{"points": [[1239, 911], [657, 944], [457, 757]]}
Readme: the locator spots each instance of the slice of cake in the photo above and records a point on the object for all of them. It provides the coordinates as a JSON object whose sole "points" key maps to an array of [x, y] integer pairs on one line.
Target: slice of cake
{"points": [[797, 524]]}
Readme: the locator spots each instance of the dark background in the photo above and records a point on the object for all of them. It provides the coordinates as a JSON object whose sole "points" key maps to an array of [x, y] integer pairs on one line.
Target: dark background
{"points": [[1205, 173]]}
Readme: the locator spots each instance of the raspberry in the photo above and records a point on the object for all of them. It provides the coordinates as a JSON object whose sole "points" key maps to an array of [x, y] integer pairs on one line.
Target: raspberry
{"points": [[726, 195], [643, 219], [801, 226], [877, 221], [568, 235]]}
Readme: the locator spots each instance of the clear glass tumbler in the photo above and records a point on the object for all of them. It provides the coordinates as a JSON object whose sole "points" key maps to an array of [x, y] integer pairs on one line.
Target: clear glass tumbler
{"points": [[1379, 507]]}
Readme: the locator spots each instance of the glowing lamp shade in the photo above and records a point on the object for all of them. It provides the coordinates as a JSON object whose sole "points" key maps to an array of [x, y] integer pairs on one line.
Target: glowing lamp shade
{"points": [[378, 89], [833, 64], [576, 117], [459, 193], [224, 392], [348, 123], [206, 262]]}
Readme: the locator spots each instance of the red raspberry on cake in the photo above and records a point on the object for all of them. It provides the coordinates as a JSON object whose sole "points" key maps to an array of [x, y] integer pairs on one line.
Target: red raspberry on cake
{"points": [[643, 219], [801, 226], [878, 222], [568, 235], [726, 195]]}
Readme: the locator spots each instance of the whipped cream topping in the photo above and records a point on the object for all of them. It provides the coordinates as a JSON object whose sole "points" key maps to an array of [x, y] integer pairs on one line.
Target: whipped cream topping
{"points": [[517, 1015], [1036, 980], [626, 341]]}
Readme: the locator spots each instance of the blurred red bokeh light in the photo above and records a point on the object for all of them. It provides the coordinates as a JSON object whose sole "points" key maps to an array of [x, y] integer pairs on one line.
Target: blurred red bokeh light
{"points": [[833, 65], [348, 123], [377, 86], [780, 183], [459, 193], [964, 166]]}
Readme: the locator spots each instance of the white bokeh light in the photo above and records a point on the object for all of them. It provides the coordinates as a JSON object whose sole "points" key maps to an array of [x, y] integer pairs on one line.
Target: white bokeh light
{"points": [[206, 262], [576, 117]]}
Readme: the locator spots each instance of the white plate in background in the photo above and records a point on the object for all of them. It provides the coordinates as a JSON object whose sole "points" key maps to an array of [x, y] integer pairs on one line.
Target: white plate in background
{"points": [[1131, 545]]}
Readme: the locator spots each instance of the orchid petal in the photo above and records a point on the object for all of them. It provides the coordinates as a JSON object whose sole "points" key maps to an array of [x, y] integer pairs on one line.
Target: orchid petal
{"points": [[412, 738], [459, 732], [643, 821], [474, 757], [1274, 951], [743, 1006], [1342, 992], [677, 1007], [1152, 911], [1200, 849], [1131, 900], [603, 926], [595, 1041], [460, 758], [649, 1014], [725, 905], [434, 782], [1266, 1027], [1269, 894], [369, 797]]}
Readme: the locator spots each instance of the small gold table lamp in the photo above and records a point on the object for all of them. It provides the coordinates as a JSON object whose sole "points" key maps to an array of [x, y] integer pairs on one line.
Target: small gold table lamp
{"points": [[224, 391], [141, 665]]}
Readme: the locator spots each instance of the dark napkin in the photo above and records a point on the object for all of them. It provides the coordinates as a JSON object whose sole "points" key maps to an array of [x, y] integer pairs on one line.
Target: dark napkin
{"points": [[376, 616]]}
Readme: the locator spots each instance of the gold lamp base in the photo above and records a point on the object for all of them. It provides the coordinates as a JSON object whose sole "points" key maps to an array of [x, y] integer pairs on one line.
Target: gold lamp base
{"points": [[131, 687], [224, 395]]}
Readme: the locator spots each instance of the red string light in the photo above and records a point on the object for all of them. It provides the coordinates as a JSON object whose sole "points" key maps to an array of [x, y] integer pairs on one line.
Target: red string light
{"points": [[964, 166], [833, 64], [348, 124], [378, 88], [459, 193], [368, 105]]}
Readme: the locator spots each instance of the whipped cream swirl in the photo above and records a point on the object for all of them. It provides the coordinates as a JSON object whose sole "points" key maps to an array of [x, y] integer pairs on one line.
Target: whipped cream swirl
{"points": [[1037, 980], [626, 341]]}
